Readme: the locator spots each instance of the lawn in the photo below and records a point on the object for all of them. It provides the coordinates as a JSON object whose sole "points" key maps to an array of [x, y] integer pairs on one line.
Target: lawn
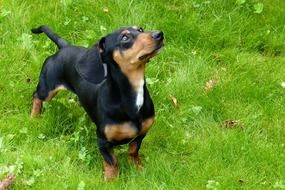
{"points": [[216, 87]]}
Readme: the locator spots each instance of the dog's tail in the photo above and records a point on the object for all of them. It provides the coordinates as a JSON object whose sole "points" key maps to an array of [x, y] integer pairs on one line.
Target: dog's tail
{"points": [[54, 37]]}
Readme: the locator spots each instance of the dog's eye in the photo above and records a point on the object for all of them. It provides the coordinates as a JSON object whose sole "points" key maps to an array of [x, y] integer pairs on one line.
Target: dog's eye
{"points": [[125, 38], [140, 29]]}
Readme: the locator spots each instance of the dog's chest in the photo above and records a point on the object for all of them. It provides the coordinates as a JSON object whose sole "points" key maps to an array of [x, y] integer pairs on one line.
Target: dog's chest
{"points": [[119, 132], [140, 95], [126, 130]]}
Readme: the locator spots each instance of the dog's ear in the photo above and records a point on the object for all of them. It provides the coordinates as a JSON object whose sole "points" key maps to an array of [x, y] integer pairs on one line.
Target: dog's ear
{"points": [[90, 67], [102, 45]]}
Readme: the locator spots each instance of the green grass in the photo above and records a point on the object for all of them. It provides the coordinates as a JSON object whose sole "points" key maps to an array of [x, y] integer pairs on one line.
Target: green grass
{"points": [[239, 44]]}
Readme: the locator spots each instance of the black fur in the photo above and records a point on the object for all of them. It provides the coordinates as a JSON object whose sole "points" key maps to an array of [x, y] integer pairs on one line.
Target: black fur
{"points": [[107, 99]]}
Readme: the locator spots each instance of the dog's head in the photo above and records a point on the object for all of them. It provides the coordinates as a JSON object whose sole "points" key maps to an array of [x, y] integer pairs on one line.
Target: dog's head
{"points": [[132, 46], [128, 49]]}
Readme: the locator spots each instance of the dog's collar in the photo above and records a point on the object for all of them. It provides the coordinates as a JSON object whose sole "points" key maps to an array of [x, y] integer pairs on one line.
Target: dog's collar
{"points": [[105, 69]]}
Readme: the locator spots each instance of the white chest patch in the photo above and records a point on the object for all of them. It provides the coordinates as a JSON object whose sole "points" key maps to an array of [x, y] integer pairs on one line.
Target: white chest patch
{"points": [[139, 101]]}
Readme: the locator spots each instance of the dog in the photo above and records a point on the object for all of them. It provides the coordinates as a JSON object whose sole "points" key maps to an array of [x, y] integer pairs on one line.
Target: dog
{"points": [[109, 80]]}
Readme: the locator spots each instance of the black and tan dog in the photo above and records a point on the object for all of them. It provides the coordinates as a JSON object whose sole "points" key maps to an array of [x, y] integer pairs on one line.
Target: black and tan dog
{"points": [[109, 81]]}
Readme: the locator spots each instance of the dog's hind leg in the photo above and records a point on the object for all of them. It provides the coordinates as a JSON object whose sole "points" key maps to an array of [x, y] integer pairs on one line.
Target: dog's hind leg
{"points": [[43, 95], [37, 106], [48, 86], [39, 96]]}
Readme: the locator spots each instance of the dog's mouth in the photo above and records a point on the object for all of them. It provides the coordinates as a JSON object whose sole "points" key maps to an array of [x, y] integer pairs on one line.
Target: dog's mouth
{"points": [[148, 56]]}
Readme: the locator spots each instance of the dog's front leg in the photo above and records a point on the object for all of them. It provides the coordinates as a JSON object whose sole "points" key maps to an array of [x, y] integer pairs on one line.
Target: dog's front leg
{"points": [[110, 162], [133, 152]]}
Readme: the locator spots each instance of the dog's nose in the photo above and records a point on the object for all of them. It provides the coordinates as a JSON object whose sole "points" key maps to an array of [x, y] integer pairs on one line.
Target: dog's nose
{"points": [[157, 35]]}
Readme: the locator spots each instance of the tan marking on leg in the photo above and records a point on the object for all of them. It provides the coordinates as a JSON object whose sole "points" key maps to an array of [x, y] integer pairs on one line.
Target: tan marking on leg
{"points": [[133, 147], [52, 93], [37, 107], [134, 155], [111, 171], [120, 131], [146, 125]]}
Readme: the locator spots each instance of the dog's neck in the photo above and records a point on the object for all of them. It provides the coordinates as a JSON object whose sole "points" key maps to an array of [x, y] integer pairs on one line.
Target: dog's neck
{"points": [[130, 88]]}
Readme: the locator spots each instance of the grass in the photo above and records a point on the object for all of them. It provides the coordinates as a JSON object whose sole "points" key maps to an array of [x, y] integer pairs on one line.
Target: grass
{"points": [[237, 44]]}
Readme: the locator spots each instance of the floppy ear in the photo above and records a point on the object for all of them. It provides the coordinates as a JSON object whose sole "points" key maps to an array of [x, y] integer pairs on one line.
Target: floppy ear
{"points": [[90, 67]]}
